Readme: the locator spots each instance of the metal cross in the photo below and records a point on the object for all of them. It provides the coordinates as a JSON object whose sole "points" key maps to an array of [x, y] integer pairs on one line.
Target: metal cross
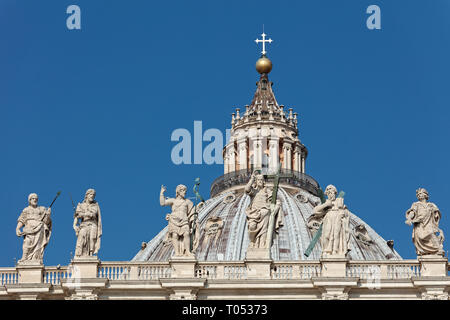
{"points": [[263, 43], [276, 179]]}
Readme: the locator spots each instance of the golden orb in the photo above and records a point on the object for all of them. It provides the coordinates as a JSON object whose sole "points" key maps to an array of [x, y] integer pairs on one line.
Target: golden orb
{"points": [[263, 65]]}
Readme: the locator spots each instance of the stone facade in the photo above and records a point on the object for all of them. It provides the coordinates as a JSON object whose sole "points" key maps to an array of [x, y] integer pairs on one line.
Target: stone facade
{"points": [[89, 278]]}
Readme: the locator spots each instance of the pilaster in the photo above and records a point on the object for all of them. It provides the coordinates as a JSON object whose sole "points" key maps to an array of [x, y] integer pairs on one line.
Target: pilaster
{"points": [[183, 289]]}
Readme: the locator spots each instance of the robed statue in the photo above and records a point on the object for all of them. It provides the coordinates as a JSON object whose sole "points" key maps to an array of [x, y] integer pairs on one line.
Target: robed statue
{"points": [[259, 212], [36, 232], [425, 216], [181, 220], [336, 224], [87, 224]]}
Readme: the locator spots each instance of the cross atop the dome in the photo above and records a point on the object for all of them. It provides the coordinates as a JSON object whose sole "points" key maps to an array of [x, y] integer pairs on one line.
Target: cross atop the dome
{"points": [[263, 43]]}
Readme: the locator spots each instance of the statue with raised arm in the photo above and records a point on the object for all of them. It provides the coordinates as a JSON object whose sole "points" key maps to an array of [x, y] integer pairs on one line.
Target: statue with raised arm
{"points": [[87, 224], [36, 232], [180, 220], [336, 229], [260, 210], [425, 216]]}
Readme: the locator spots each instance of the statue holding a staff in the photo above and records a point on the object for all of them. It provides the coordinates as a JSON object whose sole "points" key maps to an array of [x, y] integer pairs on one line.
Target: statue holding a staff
{"points": [[37, 229]]}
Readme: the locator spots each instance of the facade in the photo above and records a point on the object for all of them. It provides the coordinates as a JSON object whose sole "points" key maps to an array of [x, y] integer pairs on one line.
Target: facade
{"points": [[267, 232]]}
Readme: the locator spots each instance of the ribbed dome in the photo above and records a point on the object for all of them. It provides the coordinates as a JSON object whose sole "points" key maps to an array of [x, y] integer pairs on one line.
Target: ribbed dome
{"points": [[224, 237]]}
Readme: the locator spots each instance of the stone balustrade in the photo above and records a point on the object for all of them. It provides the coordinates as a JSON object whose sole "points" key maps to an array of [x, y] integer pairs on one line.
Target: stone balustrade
{"points": [[54, 275], [125, 270], [8, 276], [103, 279]]}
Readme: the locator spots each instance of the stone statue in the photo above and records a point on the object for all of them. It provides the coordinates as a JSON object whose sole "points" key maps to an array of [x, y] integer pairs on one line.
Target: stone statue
{"points": [[37, 229], [89, 230], [425, 217], [213, 230], [180, 220], [362, 235], [259, 211], [336, 219]]}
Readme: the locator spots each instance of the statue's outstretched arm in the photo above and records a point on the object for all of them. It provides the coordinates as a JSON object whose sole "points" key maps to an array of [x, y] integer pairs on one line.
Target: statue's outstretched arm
{"points": [[162, 200]]}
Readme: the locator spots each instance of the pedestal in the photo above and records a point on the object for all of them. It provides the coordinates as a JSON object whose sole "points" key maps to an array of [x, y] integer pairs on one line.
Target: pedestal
{"points": [[334, 266], [30, 284], [258, 263], [433, 266], [30, 272], [85, 267], [183, 266], [257, 254]]}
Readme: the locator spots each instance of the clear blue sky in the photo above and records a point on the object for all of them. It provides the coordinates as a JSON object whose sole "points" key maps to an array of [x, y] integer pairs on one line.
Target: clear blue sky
{"points": [[95, 108]]}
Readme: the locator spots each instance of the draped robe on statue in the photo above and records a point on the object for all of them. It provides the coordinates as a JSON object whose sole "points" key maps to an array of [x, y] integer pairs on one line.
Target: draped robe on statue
{"points": [[88, 242], [335, 232], [37, 231], [258, 216], [425, 217]]}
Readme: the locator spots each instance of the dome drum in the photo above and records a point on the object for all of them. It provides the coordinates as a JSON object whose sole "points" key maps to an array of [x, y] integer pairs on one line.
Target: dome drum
{"points": [[240, 178]]}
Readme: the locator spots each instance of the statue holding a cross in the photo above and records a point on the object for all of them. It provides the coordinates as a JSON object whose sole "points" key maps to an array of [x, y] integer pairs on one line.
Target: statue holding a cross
{"points": [[262, 213], [335, 235]]}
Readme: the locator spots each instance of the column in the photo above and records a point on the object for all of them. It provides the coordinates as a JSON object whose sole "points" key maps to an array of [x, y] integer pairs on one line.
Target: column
{"points": [[231, 158], [297, 159], [242, 149], [287, 156], [225, 162], [303, 162], [257, 153], [273, 155]]}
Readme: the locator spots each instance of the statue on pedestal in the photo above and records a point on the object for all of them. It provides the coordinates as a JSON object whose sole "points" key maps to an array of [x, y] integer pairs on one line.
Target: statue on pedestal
{"points": [[89, 230], [425, 216], [180, 220], [336, 219], [259, 212], [37, 229]]}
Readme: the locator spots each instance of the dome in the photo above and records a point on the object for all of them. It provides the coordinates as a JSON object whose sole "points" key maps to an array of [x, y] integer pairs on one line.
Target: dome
{"points": [[266, 138], [224, 236]]}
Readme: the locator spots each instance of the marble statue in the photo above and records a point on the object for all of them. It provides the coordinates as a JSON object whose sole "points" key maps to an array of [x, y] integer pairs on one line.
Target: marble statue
{"points": [[181, 220], [213, 230], [87, 224], [259, 211], [36, 232], [336, 219], [425, 216]]}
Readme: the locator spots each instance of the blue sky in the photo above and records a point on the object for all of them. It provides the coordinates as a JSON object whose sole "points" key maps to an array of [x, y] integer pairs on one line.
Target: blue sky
{"points": [[95, 108]]}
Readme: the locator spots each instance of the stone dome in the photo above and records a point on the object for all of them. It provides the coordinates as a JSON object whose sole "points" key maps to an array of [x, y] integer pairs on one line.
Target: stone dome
{"points": [[224, 236], [265, 138]]}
